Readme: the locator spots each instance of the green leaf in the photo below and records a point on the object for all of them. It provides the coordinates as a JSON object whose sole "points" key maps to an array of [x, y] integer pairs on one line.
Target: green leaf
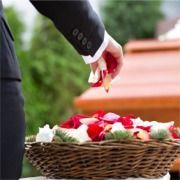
{"points": [[57, 139], [160, 134], [118, 135]]}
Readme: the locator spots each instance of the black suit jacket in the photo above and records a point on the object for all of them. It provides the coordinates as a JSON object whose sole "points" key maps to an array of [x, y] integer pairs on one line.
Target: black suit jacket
{"points": [[8, 60], [76, 20]]}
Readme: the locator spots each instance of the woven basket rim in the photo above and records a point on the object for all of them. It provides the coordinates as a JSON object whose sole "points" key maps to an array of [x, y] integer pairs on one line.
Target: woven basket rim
{"points": [[152, 142]]}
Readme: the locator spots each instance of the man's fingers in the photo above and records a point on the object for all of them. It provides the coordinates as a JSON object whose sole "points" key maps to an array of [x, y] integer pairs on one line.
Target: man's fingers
{"points": [[93, 67], [96, 69], [116, 51], [118, 68], [102, 64]]}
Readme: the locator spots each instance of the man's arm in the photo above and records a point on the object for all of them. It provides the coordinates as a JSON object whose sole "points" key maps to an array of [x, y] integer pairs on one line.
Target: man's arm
{"points": [[77, 21]]}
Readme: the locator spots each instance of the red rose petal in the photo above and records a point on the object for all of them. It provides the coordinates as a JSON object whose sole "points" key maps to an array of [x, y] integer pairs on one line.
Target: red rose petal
{"points": [[145, 128], [73, 122], [175, 132], [126, 121], [98, 114], [101, 123], [101, 136], [111, 117], [128, 127], [97, 84], [111, 64], [95, 132]]}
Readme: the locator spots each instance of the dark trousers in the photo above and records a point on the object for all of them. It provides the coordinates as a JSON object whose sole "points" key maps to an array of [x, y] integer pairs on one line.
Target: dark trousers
{"points": [[12, 129]]}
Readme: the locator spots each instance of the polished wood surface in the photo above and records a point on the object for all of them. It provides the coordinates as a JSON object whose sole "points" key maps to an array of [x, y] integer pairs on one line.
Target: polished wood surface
{"points": [[149, 84]]}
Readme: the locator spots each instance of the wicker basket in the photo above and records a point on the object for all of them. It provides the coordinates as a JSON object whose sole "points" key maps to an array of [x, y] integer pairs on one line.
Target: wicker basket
{"points": [[101, 160]]}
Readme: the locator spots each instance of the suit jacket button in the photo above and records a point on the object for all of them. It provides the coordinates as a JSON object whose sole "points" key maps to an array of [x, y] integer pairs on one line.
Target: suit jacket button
{"points": [[84, 41], [89, 45], [80, 36], [75, 32]]}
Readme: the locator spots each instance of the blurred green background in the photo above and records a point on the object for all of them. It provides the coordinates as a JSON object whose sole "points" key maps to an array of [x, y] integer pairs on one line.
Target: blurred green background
{"points": [[53, 73]]}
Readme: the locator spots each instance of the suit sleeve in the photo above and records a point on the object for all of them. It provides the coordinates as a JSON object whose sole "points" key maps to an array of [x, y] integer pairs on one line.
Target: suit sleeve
{"points": [[78, 22]]}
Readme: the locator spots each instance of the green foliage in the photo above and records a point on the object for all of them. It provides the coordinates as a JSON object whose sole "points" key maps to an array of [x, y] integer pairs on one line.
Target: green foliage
{"points": [[126, 20], [58, 75], [118, 135], [61, 136], [160, 134]]}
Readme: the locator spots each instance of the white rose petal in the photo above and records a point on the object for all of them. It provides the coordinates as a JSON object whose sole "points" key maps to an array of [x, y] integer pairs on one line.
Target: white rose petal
{"points": [[155, 125], [80, 133], [117, 127], [94, 77], [88, 120], [45, 134], [158, 125], [139, 122]]}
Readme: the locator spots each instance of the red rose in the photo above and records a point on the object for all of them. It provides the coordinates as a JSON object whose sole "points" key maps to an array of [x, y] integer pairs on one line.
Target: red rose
{"points": [[95, 132], [73, 122]]}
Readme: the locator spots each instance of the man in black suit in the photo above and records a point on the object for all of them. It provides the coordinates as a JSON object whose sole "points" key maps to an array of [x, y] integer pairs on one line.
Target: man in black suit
{"points": [[77, 21]]}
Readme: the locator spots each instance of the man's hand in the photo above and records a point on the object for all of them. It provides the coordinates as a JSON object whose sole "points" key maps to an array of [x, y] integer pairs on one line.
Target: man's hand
{"points": [[115, 50]]}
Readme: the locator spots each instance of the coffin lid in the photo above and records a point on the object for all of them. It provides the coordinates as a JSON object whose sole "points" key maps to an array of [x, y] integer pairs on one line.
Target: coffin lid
{"points": [[152, 45]]}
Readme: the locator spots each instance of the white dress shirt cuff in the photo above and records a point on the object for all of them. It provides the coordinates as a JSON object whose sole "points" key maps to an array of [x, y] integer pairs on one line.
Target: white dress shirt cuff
{"points": [[90, 59]]}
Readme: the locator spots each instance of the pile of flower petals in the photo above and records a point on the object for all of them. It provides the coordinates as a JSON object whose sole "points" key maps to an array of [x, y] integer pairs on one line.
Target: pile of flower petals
{"points": [[93, 128]]}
